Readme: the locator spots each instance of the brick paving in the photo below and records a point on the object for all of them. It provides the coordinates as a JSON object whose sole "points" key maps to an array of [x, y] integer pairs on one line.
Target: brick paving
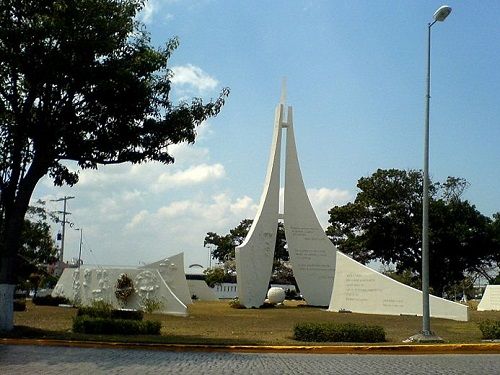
{"points": [[28, 359]]}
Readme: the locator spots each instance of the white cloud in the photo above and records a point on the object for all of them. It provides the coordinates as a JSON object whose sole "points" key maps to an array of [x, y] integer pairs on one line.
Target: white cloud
{"points": [[195, 175], [154, 9], [331, 197], [138, 219], [243, 206], [190, 78], [220, 212], [323, 199], [149, 11], [133, 180]]}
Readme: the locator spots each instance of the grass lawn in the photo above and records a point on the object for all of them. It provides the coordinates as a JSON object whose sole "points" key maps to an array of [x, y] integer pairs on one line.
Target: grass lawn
{"points": [[218, 323]]}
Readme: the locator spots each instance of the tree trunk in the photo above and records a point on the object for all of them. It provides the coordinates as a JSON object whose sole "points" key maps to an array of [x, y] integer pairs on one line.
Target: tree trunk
{"points": [[8, 284], [10, 243], [7, 306]]}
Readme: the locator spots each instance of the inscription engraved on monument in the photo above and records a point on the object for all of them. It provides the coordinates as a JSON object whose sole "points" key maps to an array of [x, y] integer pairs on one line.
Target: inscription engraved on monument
{"points": [[308, 234], [393, 302], [358, 287], [495, 296], [309, 254]]}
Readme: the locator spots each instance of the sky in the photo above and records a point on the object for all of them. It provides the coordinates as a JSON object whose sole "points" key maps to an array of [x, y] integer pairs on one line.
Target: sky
{"points": [[355, 74]]}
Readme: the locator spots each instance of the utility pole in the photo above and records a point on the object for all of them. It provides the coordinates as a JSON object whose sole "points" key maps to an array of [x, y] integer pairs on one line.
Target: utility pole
{"points": [[64, 213], [80, 248]]}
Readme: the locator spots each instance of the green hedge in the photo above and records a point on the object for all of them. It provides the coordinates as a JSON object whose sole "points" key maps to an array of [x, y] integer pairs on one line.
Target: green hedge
{"points": [[50, 301], [19, 305], [99, 312], [87, 324], [336, 332], [490, 329]]}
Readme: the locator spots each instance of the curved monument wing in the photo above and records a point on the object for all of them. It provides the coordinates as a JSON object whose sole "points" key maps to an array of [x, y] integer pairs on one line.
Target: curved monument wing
{"points": [[312, 254], [254, 257], [361, 289]]}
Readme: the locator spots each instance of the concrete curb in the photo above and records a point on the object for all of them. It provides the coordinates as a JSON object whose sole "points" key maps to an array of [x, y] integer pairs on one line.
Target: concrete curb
{"points": [[483, 348]]}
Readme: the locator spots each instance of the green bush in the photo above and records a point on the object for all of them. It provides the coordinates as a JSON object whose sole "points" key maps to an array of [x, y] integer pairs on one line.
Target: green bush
{"points": [[127, 314], [336, 332], [19, 305], [104, 310], [490, 329], [150, 305], [50, 301], [98, 309], [87, 324]]}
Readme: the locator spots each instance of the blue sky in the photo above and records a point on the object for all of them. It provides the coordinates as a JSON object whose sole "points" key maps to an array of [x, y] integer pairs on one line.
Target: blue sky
{"points": [[356, 79]]}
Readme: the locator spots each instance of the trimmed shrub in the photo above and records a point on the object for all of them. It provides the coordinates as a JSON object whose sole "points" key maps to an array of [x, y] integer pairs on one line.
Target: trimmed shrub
{"points": [[490, 329], [104, 310], [87, 324], [127, 314], [98, 309], [50, 301], [19, 305], [337, 332]]}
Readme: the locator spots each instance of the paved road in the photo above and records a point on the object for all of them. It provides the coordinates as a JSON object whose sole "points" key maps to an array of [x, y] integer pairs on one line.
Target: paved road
{"points": [[62, 360]]}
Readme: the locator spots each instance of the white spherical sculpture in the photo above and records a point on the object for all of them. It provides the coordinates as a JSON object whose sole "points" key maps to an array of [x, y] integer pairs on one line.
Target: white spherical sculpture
{"points": [[275, 295]]}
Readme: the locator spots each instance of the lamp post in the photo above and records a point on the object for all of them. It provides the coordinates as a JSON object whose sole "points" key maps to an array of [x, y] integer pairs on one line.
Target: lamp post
{"points": [[440, 15]]}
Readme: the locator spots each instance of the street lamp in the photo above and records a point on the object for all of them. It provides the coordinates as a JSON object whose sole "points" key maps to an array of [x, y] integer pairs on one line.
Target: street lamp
{"points": [[440, 15]]}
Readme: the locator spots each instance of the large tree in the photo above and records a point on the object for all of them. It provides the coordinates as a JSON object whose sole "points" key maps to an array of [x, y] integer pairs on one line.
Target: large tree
{"points": [[38, 248], [384, 223], [79, 81], [223, 246], [222, 249]]}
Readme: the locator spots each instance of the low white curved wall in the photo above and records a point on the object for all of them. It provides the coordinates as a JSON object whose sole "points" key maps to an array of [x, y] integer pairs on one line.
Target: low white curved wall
{"points": [[360, 289]]}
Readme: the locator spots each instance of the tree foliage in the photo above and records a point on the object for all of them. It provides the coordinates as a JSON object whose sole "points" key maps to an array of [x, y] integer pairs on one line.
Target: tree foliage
{"points": [[223, 246], [384, 223], [218, 275], [38, 247], [223, 250], [79, 81]]}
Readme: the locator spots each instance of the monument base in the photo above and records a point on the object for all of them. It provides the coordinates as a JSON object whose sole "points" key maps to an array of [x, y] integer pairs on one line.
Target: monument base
{"points": [[424, 338]]}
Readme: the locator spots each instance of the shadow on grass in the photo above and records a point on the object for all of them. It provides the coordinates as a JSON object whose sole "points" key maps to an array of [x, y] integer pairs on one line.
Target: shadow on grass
{"points": [[24, 332]]}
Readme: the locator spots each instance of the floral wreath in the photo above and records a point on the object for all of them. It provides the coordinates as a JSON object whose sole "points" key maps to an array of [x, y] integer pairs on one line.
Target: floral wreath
{"points": [[124, 288]]}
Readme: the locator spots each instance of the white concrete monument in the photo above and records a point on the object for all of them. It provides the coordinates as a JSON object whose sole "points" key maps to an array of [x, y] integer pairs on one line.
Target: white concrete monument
{"points": [[201, 290], [155, 282], [325, 276], [360, 289], [312, 255], [172, 272], [490, 299]]}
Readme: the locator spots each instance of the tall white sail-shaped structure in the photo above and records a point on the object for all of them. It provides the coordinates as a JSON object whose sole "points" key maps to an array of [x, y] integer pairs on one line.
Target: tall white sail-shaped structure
{"points": [[254, 257], [312, 255], [325, 276]]}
